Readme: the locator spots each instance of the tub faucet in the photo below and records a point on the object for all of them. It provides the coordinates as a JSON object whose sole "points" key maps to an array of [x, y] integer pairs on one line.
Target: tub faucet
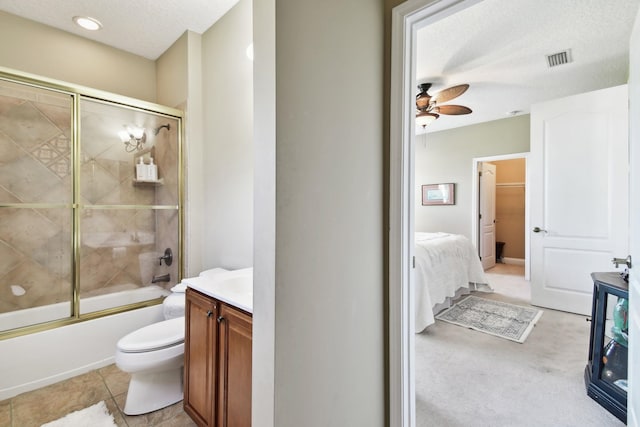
{"points": [[163, 278]]}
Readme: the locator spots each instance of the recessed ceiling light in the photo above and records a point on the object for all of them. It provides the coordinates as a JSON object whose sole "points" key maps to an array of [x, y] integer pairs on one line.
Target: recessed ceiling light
{"points": [[87, 23]]}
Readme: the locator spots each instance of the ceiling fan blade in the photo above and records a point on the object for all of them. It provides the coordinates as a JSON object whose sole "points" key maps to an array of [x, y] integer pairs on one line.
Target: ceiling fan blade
{"points": [[450, 93], [453, 110]]}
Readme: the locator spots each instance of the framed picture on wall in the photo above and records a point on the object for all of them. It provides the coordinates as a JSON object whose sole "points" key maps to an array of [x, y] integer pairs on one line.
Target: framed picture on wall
{"points": [[438, 194]]}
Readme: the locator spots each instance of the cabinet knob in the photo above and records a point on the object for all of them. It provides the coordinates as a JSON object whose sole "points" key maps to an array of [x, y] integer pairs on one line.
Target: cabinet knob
{"points": [[220, 319], [209, 313]]}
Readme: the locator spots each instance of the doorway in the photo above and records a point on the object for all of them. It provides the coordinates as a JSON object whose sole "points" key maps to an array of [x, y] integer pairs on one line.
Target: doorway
{"points": [[406, 18], [509, 206]]}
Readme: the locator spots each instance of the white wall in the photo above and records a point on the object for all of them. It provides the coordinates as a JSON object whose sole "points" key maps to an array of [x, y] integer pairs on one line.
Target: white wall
{"points": [[228, 141], [446, 156], [329, 268]]}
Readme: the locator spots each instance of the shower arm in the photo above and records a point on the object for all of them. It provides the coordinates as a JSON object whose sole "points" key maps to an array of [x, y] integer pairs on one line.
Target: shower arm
{"points": [[157, 130]]}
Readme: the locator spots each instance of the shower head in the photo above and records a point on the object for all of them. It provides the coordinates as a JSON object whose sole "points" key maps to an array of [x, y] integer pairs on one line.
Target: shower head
{"points": [[156, 131]]}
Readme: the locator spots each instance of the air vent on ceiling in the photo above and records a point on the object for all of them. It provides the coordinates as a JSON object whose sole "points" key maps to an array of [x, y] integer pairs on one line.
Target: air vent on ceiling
{"points": [[559, 58]]}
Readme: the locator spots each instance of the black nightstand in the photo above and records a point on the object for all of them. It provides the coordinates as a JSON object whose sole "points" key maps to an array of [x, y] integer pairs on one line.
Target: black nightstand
{"points": [[605, 375]]}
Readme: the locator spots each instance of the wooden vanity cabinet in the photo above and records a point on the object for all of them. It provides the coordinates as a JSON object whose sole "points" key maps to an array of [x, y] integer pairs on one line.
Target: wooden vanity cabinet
{"points": [[200, 356], [217, 365], [234, 363]]}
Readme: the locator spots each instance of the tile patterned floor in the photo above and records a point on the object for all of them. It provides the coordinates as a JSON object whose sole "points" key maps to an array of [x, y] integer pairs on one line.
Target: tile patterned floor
{"points": [[34, 408]]}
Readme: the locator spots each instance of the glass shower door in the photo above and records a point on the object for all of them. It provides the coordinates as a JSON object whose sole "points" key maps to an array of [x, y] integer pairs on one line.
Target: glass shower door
{"points": [[36, 213], [129, 205]]}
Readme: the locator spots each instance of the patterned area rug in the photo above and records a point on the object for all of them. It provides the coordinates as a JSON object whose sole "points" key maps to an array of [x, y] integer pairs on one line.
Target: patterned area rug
{"points": [[509, 321]]}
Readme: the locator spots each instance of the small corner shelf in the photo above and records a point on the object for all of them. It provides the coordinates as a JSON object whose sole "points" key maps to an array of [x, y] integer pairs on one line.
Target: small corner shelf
{"points": [[149, 182]]}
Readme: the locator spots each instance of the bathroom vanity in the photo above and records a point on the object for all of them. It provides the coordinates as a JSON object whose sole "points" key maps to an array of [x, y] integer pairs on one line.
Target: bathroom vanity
{"points": [[217, 365]]}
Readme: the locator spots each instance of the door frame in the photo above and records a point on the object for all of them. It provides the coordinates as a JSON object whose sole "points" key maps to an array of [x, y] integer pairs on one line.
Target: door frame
{"points": [[475, 182], [406, 19]]}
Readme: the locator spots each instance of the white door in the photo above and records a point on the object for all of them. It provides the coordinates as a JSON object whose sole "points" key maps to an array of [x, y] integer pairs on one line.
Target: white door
{"points": [[487, 217], [579, 195], [633, 398]]}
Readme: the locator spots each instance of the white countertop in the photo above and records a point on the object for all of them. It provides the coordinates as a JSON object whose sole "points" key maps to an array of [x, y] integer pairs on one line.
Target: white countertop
{"points": [[233, 287]]}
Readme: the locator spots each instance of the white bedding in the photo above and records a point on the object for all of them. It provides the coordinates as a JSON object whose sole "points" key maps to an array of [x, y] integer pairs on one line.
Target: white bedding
{"points": [[447, 265]]}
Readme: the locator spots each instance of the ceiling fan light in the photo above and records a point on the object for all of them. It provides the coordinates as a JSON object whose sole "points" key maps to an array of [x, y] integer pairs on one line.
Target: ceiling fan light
{"points": [[423, 118]]}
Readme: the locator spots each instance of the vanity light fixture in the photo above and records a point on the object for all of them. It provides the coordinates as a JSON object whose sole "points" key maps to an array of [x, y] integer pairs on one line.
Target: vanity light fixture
{"points": [[87, 23], [133, 138]]}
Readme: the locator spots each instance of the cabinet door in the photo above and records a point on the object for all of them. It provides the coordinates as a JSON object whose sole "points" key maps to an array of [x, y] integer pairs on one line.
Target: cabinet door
{"points": [[200, 357], [234, 378]]}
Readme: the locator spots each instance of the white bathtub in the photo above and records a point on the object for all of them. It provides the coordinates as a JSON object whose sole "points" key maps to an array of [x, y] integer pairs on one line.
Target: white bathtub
{"points": [[36, 360], [47, 313]]}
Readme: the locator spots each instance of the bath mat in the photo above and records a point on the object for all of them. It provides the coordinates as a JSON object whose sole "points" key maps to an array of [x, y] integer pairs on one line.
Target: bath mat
{"points": [[504, 320], [95, 416]]}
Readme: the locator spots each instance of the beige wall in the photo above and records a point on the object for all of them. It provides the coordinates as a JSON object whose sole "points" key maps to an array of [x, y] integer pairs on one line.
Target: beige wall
{"points": [[228, 141], [264, 281], [38, 49], [329, 296], [172, 73], [179, 84], [447, 156], [510, 206]]}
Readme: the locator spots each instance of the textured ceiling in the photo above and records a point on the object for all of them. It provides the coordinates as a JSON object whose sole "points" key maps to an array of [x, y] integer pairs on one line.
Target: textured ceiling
{"points": [[143, 27], [499, 48]]}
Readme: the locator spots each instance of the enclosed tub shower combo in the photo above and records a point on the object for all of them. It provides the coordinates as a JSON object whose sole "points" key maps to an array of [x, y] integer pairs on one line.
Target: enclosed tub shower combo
{"points": [[90, 203]]}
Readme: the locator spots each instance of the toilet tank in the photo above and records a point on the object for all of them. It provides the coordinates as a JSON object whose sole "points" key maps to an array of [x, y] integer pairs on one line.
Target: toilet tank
{"points": [[173, 305]]}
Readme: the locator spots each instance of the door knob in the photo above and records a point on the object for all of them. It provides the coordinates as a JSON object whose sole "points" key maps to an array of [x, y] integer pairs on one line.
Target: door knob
{"points": [[618, 261], [538, 229]]}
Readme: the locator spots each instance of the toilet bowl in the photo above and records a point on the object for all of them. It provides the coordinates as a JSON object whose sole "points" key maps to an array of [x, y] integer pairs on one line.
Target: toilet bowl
{"points": [[154, 356]]}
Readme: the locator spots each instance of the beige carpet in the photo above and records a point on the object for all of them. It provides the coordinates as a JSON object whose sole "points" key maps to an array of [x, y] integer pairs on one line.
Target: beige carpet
{"points": [[465, 378]]}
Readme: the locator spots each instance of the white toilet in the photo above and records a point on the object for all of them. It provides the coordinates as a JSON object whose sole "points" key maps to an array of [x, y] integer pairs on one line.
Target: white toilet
{"points": [[154, 356]]}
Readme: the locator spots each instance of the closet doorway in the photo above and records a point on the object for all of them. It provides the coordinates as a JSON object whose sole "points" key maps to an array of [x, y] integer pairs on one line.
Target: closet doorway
{"points": [[505, 206]]}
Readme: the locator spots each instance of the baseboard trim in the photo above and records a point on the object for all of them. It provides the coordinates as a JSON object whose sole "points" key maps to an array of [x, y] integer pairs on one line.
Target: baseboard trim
{"points": [[33, 385], [514, 261]]}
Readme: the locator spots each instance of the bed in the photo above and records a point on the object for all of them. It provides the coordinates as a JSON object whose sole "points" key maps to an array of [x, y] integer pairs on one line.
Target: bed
{"points": [[447, 266]]}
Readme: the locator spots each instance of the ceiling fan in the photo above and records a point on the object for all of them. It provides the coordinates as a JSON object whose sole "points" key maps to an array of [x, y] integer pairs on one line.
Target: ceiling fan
{"points": [[429, 107]]}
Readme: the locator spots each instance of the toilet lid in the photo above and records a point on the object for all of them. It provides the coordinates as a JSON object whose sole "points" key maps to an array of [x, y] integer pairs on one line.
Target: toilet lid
{"points": [[153, 337]]}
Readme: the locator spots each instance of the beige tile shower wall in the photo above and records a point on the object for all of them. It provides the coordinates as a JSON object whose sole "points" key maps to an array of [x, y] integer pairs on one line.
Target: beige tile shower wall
{"points": [[510, 207], [167, 221]]}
